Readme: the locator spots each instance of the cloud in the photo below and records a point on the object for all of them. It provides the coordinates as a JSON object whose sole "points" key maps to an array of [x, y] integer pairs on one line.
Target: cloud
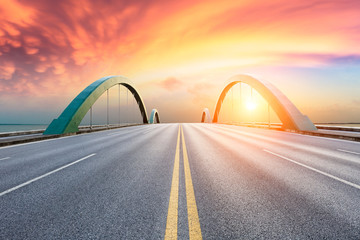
{"points": [[48, 42], [171, 83], [356, 102], [349, 60], [202, 93], [68, 44], [7, 70], [30, 50], [317, 59]]}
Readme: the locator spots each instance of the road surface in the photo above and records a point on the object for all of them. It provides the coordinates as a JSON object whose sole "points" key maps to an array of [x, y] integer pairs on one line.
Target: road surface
{"points": [[160, 181]]}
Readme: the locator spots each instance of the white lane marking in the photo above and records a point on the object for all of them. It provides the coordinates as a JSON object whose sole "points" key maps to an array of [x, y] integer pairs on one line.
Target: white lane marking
{"points": [[45, 175], [292, 133], [46, 140], [52, 139], [301, 146], [4, 158], [322, 137], [315, 170], [342, 150]]}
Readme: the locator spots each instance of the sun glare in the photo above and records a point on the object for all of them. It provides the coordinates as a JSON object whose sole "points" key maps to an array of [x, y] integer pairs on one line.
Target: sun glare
{"points": [[250, 105]]}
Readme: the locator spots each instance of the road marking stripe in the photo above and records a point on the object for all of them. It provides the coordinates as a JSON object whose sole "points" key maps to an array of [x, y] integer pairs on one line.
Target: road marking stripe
{"points": [[342, 150], [51, 139], [315, 170], [41, 141], [309, 148], [172, 216], [291, 133], [193, 217], [4, 158], [44, 175]]}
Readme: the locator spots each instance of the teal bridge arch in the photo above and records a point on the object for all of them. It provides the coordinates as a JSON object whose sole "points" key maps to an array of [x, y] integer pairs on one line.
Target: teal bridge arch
{"points": [[287, 112], [71, 117], [154, 116]]}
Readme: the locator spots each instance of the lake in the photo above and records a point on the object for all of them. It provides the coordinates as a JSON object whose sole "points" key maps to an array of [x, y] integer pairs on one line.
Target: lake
{"points": [[20, 127]]}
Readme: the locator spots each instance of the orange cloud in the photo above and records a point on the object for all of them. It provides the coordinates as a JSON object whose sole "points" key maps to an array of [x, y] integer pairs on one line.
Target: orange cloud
{"points": [[31, 51], [133, 38], [65, 45], [202, 93], [16, 12], [7, 70]]}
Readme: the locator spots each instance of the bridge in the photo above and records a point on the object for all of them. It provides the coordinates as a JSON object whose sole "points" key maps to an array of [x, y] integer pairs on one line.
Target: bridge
{"points": [[205, 180]]}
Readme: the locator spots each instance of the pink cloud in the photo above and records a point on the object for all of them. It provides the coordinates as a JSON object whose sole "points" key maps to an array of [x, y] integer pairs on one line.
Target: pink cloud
{"points": [[201, 93], [51, 41], [171, 83], [7, 70], [31, 50], [32, 41]]}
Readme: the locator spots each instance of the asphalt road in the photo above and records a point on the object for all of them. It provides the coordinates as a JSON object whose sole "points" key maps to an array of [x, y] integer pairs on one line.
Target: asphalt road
{"points": [[153, 182]]}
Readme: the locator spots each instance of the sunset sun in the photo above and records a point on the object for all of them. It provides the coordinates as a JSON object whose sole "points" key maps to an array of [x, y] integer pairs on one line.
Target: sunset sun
{"points": [[250, 105]]}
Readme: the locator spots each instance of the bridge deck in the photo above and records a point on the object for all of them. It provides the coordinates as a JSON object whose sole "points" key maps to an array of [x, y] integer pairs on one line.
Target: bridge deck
{"points": [[248, 183]]}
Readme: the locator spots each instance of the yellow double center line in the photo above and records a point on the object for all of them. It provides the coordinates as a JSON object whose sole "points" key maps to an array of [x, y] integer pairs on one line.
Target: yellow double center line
{"points": [[172, 217]]}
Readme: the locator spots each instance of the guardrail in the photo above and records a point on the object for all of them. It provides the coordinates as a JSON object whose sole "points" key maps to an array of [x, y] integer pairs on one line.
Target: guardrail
{"points": [[11, 138]]}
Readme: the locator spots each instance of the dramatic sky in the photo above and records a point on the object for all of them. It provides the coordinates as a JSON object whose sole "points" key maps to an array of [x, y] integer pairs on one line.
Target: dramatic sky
{"points": [[179, 54]]}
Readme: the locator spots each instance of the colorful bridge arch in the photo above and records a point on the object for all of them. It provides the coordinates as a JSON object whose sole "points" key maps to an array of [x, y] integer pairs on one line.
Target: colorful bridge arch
{"points": [[73, 114], [287, 112], [154, 116], [205, 116]]}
